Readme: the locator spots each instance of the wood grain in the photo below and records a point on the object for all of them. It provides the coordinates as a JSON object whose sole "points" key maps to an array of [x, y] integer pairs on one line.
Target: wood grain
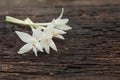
{"points": [[91, 50]]}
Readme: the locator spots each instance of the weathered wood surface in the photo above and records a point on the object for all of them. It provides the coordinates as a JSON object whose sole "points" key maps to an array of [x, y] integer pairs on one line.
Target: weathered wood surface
{"points": [[91, 50]]}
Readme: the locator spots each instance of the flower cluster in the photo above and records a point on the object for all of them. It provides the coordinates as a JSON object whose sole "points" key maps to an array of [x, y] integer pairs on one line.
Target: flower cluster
{"points": [[43, 33]]}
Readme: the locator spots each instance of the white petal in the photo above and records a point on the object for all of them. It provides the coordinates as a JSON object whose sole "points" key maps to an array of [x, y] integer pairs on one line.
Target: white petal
{"points": [[38, 46], [42, 43], [59, 36], [52, 24], [59, 31], [25, 48], [25, 37], [53, 46], [63, 27], [48, 33], [61, 21], [37, 33], [47, 49], [35, 51]]}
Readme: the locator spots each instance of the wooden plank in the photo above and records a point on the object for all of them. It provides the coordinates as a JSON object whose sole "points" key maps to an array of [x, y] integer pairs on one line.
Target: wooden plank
{"points": [[91, 50]]}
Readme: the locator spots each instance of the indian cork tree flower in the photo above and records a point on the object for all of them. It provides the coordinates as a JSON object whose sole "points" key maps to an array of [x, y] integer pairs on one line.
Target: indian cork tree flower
{"points": [[55, 32], [32, 41], [62, 23], [46, 36], [43, 33], [48, 33], [46, 41]]}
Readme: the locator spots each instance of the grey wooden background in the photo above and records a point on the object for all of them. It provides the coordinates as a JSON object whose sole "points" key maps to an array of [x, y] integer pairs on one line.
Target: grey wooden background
{"points": [[91, 50]]}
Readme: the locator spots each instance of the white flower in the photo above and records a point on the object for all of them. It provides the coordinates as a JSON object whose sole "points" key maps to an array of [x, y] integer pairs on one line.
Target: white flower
{"points": [[46, 41], [32, 41], [55, 32], [61, 23], [44, 35]]}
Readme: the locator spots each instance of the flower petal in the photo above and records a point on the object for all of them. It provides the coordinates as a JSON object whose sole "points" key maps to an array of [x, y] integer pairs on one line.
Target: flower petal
{"points": [[48, 33], [35, 51], [52, 24], [60, 37], [38, 46], [61, 21], [37, 33], [25, 48], [63, 27], [59, 31], [25, 37], [47, 49], [42, 43], [53, 46]]}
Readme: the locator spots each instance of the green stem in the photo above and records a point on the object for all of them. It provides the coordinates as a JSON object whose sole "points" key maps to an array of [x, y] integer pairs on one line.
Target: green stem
{"points": [[18, 21]]}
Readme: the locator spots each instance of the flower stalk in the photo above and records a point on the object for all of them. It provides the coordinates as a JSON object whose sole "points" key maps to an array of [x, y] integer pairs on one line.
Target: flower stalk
{"points": [[23, 22]]}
